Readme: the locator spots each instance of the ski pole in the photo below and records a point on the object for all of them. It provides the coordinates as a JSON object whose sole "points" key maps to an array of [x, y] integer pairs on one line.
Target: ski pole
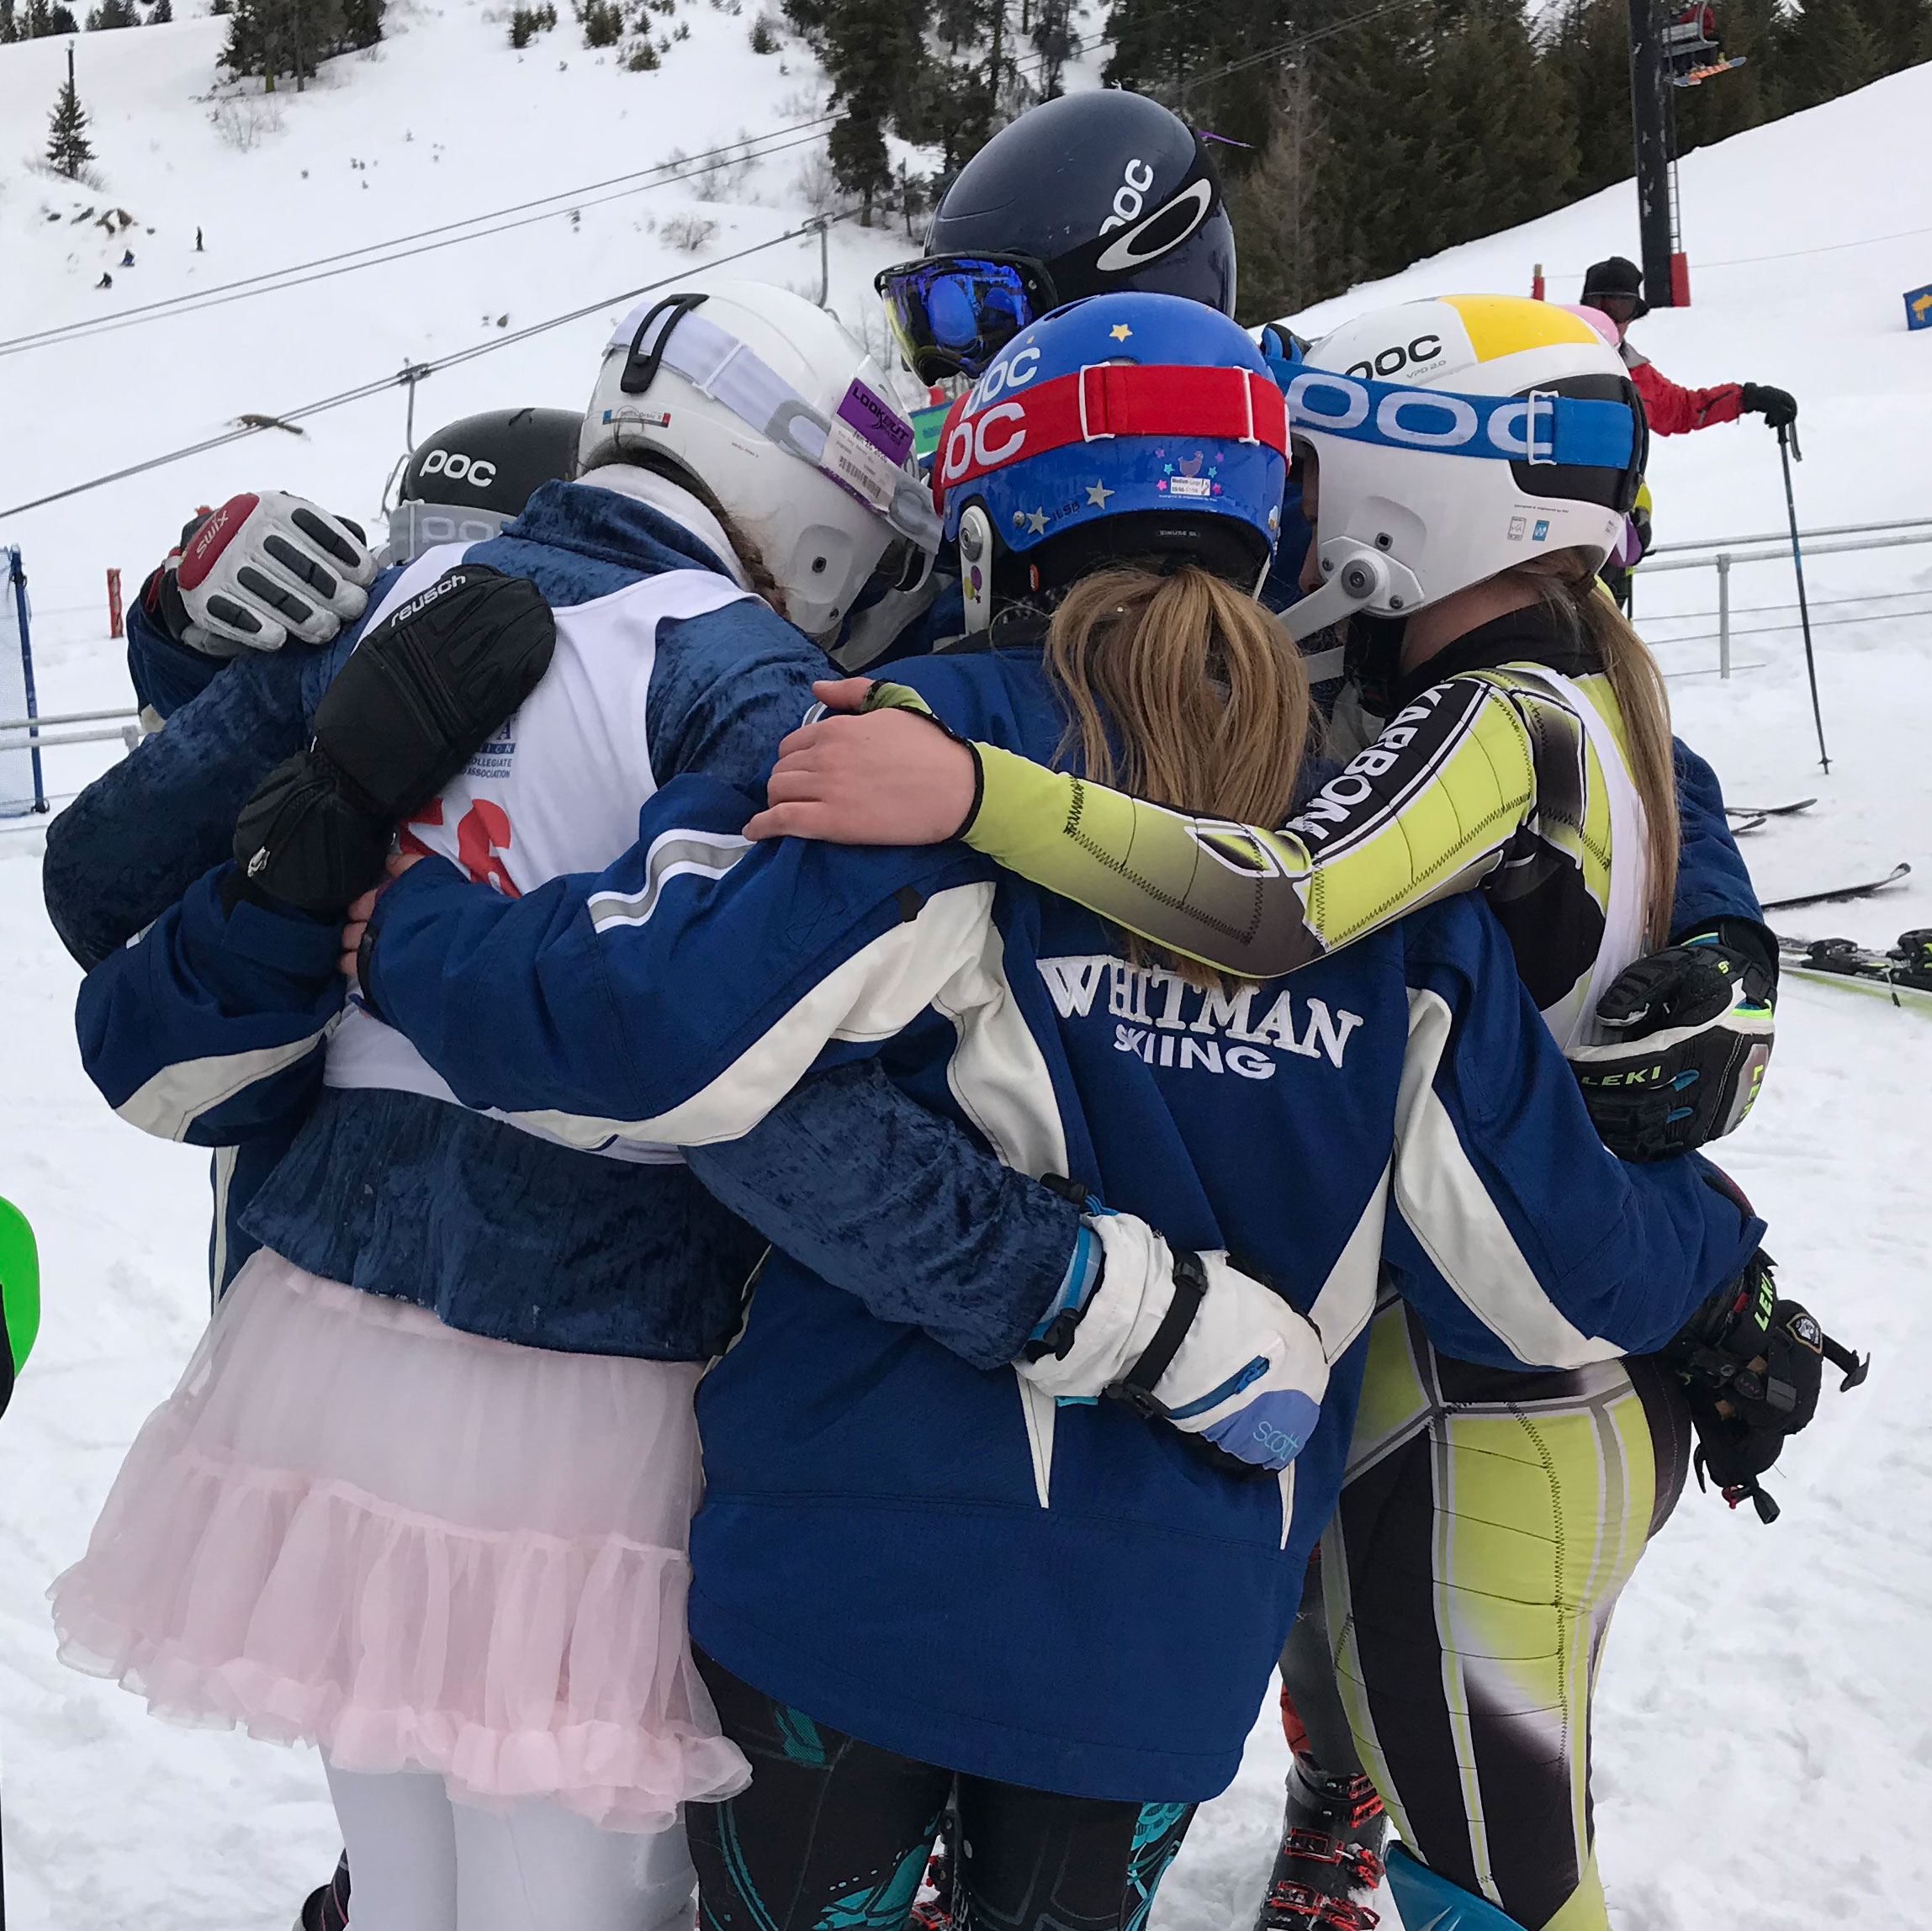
{"points": [[1789, 453]]}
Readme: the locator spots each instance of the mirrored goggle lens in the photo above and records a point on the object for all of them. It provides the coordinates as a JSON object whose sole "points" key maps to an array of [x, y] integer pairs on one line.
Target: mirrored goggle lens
{"points": [[952, 314]]}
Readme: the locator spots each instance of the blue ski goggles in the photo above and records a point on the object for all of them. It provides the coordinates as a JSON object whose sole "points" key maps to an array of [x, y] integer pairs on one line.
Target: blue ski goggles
{"points": [[951, 313]]}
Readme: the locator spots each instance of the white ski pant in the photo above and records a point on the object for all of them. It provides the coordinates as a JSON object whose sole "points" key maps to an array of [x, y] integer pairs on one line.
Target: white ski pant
{"points": [[418, 1862]]}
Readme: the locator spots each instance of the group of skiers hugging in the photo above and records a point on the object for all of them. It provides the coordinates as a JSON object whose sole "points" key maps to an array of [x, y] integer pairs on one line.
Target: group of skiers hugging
{"points": [[817, 1280]]}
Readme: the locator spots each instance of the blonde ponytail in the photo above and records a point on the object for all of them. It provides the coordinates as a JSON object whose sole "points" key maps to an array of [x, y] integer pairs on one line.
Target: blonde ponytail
{"points": [[1578, 596], [1183, 690]]}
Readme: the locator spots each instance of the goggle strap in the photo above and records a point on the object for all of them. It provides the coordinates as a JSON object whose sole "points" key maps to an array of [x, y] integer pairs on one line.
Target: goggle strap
{"points": [[716, 363], [1542, 428], [1104, 400]]}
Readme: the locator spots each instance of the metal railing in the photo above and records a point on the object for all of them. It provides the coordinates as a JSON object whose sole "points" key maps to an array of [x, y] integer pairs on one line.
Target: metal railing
{"points": [[1722, 553], [30, 734]]}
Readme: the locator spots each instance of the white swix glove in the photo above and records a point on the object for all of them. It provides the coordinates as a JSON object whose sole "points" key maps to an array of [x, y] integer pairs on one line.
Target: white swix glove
{"points": [[264, 567], [1185, 1338]]}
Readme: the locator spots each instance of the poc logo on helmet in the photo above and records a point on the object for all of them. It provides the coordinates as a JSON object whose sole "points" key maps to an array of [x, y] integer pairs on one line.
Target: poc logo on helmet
{"points": [[1130, 197], [459, 468], [1393, 360]]}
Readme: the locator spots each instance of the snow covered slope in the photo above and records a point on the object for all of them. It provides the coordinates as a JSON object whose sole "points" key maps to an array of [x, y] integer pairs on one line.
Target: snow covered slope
{"points": [[441, 122], [1766, 1737]]}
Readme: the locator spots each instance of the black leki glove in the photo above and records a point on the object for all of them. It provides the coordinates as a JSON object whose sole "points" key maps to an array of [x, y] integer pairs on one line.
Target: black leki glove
{"points": [[1777, 406], [1752, 1366], [1696, 1029], [419, 696]]}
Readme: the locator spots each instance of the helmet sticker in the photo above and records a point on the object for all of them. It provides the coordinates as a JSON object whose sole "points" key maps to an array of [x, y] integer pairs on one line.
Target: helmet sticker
{"points": [[1130, 197], [1540, 427], [459, 468], [1165, 228]]}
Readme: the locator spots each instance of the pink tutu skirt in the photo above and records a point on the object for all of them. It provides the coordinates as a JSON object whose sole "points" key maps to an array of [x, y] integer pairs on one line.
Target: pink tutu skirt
{"points": [[354, 1526]]}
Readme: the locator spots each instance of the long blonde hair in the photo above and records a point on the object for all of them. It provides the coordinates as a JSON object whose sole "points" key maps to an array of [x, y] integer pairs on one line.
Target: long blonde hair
{"points": [[1181, 688], [1573, 592]]}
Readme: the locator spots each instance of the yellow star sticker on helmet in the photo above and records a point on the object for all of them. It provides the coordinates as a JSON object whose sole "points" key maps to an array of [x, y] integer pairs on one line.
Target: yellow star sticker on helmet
{"points": [[1120, 331], [1036, 522], [1098, 494]]}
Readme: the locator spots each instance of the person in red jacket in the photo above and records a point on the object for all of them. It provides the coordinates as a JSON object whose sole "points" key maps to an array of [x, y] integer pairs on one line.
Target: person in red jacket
{"points": [[1615, 288]]}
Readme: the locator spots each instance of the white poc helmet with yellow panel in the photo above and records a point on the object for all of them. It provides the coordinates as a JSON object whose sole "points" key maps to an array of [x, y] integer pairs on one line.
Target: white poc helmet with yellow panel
{"points": [[1457, 437]]}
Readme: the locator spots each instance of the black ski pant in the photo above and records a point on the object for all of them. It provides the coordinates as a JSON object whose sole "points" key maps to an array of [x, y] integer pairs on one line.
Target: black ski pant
{"points": [[835, 1831]]}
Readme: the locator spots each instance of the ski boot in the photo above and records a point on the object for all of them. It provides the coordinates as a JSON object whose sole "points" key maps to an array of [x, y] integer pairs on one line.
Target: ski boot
{"points": [[1329, 1862], [1425, 1897], [932, 1908], [328, 1909]]}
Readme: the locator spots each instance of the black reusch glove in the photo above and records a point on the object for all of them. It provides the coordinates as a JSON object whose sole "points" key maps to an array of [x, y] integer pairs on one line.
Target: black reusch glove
{"points": [[419, 696], [1752, 1366], [1777, 406], [1695, 1027]]}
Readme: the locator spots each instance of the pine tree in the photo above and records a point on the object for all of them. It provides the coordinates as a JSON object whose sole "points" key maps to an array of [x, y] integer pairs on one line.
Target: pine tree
{"points": [[1499, 148], [1832, 49], [951, 109], [274, 37], [874, 55], [363, 24], [162, 15], [8, 32], [1180, 56], [1900, 28], [1054, 42], [113, 13], [1373, 195], [1275, 213], [67, 149], [1588, 56]]}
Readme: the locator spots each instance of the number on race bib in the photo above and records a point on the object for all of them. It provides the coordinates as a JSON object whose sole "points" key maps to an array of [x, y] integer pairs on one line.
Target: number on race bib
{"points": [[481, 835]]}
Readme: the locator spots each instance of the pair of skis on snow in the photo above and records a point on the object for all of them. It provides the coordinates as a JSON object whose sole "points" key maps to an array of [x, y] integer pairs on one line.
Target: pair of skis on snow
{"points": [[1904, 974], [1748, 817]]}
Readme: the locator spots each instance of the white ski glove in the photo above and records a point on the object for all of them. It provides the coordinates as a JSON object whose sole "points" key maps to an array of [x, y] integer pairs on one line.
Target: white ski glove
{"points": [[262, 569], [1188, 1339]]}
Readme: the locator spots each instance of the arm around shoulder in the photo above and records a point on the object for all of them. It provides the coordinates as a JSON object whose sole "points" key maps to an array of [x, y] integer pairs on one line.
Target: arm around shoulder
{"points": [[679, 995], [210, 1027], [1522, 1240]]}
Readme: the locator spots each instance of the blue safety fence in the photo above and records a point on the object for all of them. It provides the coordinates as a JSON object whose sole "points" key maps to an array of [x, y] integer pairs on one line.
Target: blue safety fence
{"points": [[22, 789]]}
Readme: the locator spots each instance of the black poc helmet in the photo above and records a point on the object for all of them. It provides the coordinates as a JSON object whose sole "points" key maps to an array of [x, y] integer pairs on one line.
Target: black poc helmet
{"points": [[465, 481], [1082, 195]]}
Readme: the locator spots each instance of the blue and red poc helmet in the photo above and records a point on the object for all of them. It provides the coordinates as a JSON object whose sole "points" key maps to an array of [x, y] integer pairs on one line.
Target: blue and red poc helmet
{"points": [[1125, 427]]}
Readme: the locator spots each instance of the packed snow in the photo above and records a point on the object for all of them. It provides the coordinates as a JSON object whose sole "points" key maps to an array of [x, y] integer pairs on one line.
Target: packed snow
{"points": [[1766, 1715]]}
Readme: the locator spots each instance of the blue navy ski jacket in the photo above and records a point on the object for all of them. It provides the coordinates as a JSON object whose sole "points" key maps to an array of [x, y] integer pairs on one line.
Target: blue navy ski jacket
{"points": [[213, 1030], [931, 1555]]}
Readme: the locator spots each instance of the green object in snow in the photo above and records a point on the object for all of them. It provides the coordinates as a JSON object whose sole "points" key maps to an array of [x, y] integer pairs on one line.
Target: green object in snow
{"points": [[19, 1294]]}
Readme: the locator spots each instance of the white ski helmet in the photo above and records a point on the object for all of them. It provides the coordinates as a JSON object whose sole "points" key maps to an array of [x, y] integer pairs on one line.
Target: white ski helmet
{"points": [[1457, 437], [765, 400]]}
